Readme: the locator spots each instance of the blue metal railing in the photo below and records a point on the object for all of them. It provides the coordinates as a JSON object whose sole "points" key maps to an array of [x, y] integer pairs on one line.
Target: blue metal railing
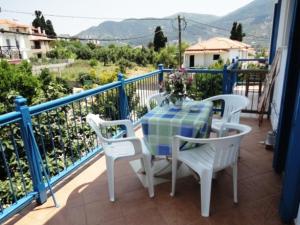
{"points": [[250, 82], [63, 138]]}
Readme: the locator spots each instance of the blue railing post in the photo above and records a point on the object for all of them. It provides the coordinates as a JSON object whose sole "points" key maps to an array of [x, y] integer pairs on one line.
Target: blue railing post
{"points": [[225, 80], [33, 161], [161, 77], [123, 103]]}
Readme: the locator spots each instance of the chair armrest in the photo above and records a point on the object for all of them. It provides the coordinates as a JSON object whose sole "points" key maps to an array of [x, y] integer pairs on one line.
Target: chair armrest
{"points": [[126, 123], [178, 138], [137, 144], [214, 98]]}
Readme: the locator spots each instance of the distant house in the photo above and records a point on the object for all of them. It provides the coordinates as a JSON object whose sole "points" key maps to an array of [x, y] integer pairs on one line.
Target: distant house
{"points": [[14, 47], [39, 43], [205, 53]]}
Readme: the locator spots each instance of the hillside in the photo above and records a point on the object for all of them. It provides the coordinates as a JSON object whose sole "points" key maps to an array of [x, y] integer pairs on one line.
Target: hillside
{"points": [[256, 18]]}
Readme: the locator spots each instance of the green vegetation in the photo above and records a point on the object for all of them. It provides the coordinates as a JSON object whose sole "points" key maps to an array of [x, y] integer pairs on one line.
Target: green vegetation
{"points": [[47, 26], [237, 32], [160, 40], [123, 56]]}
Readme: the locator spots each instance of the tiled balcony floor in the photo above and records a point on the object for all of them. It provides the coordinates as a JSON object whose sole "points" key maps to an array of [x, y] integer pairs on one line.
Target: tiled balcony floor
{"points": [[83, 197]]}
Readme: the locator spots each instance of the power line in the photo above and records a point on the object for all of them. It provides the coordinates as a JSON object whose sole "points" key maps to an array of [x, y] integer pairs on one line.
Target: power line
{"points": [[223, 29], [83, 17], [78, 38]]}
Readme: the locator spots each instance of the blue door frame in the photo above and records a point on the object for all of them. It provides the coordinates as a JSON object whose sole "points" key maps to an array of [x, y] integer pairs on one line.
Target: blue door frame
{"points": [[287, 151], [275, 27]]}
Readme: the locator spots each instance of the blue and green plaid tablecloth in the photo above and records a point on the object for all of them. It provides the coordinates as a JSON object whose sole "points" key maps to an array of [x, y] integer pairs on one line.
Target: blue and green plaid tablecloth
{"points": [[162, 123]]}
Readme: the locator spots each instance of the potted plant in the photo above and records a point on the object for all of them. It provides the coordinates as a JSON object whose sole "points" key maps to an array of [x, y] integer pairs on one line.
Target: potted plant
{"points": [[177, 84]]}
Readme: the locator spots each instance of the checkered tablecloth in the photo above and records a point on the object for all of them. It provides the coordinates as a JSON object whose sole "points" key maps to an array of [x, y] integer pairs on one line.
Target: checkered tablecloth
{"points": [[162, 123]]}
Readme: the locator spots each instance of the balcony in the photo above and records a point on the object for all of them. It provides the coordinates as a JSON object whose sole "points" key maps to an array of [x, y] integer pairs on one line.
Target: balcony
{"points": [[76, 170], [10, 53], [83, 196]]}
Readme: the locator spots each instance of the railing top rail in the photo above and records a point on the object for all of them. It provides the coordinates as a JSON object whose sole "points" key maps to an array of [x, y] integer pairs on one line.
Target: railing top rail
{"points": [[9, 118], [250, 70], [46, 106], [212, 71], [140, 77], [253, 60], [36, 109]]}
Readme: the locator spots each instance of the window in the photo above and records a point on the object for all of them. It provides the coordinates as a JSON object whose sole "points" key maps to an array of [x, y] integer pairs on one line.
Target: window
{"points": [[8, 43], [37, 45], [17, 44], [216, 56]]}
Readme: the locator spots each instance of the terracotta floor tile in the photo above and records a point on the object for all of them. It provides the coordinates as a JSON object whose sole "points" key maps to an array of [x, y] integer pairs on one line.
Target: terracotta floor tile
{"points": [[117, 221], [100, 212], [72, 216], [83, 196], [145, 217]]}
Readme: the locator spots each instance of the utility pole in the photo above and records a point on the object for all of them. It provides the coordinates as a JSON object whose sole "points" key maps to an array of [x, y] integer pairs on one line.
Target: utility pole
{"points": [[179, 40]]}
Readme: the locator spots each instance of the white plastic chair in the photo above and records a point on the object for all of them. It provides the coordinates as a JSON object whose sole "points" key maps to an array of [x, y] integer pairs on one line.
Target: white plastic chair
{"points": [[233, 105], [157, 98], [121, 148], [213, 155]]}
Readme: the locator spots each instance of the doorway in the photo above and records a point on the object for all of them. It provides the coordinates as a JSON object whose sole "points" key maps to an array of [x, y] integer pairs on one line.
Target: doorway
{"points": [[192, 61]]}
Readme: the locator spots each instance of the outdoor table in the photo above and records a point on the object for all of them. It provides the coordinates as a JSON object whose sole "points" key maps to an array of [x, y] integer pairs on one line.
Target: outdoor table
{"points": [[159, 125]]}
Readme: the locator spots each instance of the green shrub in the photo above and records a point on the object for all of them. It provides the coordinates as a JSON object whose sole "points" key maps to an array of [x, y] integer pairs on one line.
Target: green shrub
{"points": [[93, 62]]}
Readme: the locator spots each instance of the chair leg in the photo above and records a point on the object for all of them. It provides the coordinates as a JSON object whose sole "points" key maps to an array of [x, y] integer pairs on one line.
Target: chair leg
{"points": [[174, 174], [234, 177], [205, 183], [149, 174], [110, 177]]}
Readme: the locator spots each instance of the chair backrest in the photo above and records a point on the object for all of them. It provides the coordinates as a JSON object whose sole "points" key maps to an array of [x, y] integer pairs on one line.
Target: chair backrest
{"points": [[157, 98], [95, 122], [226, 148], [231, 103]]}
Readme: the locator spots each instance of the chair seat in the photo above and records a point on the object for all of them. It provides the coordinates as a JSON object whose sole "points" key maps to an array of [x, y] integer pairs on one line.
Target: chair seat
{"points": [[124, 149], [199, 157]]}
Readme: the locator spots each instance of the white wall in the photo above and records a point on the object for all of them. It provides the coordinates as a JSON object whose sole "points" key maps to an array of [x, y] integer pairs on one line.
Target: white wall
{"points": [[24, 45], [297, 221], [206, 59], [282, 42], [278, 87]]}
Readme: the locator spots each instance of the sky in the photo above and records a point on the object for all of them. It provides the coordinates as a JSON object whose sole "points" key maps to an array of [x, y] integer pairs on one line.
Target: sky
{"points": [[110, 10]]}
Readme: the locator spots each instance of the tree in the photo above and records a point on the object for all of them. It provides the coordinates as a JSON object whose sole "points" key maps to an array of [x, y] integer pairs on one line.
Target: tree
{"points": [[45, 25], [37, 21], [159, 39], [233, 33], [237, 32], [49, 28]]}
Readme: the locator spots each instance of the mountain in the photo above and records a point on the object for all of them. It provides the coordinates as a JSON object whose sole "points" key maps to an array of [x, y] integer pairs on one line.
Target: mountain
{"points": [[256, 18]]}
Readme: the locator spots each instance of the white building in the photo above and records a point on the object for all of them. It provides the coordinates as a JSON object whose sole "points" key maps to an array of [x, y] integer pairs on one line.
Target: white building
{"points": [[206, 53], [14, 46]]}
